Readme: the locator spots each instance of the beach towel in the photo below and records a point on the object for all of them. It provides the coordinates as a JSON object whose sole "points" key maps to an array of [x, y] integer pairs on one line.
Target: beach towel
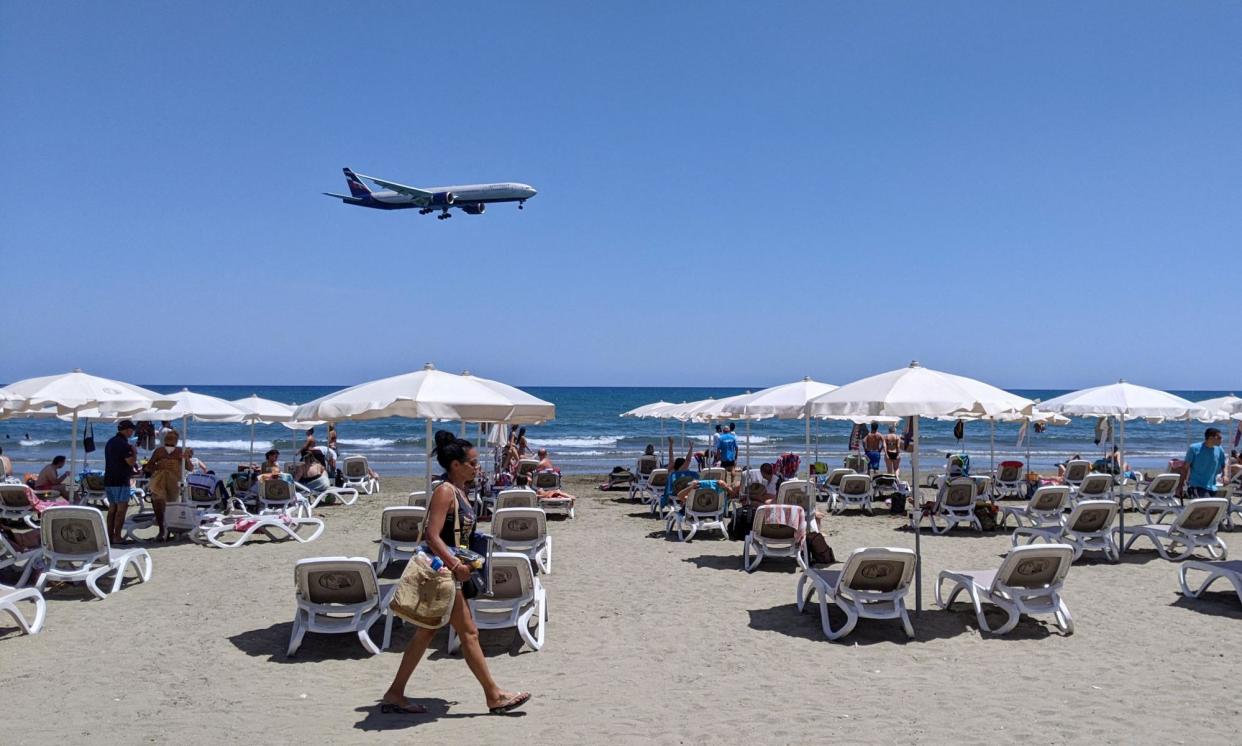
{"points": [[1104, 430], [856, 436], [786, 465], [792, 516]]}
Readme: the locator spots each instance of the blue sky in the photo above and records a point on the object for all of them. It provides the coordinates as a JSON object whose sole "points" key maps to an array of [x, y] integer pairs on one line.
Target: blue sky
{"points": [[729, 194]]}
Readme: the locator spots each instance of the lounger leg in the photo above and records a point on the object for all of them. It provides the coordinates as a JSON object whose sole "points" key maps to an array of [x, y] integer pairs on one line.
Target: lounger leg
{"points": [[798, 598], [547, 555], [1011, 621], [1063, 616], [905, 618], [974, 599], [1217, 549], [26, 572], [92, 581], [851, 617], [694, 529], [296, 634], [364, 636]]}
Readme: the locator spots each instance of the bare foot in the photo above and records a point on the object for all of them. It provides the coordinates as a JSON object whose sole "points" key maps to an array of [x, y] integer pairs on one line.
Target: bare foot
{"points": [[398, 703], [507, 701]]}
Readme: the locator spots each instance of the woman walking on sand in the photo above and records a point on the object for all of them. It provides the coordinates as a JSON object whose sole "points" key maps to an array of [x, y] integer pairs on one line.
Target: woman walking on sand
{"points": [[448, 506]]}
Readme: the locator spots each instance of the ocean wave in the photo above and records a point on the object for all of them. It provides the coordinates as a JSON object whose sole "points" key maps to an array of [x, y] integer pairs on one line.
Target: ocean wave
{"points": [[574, 442], [228, 445], [368, 442], [32, 443]]}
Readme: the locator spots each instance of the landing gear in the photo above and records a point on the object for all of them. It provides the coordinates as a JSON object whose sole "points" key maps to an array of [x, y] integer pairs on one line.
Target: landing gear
{"points": [[521, 204], [445, 215], [426, 211]]}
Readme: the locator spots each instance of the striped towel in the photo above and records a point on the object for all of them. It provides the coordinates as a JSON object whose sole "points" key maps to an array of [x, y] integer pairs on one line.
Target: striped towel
{"points": [[792, 516]]}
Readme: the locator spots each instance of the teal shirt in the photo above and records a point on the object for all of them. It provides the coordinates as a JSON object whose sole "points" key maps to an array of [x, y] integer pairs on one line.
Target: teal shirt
{"points": [[1204, 463]]}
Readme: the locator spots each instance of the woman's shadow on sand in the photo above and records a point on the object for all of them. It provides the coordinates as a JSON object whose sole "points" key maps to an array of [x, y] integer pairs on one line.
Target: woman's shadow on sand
{"points": [[437, 709]]}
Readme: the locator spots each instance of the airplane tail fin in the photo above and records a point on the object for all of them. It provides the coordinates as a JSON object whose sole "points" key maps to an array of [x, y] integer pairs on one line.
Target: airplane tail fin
{"points": [[356, 187]]}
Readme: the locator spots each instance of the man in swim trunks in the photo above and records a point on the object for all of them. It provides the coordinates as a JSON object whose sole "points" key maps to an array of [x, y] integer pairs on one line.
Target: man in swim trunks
{"points": [[873, 444]]}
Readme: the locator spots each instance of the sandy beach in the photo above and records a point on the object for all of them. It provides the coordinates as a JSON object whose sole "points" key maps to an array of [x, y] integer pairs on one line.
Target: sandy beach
{"points": [[649, 640]]}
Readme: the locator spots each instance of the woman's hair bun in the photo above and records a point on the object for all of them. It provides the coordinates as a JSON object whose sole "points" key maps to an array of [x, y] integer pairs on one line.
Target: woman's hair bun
{"points": [[443, 438], [450, 448]]}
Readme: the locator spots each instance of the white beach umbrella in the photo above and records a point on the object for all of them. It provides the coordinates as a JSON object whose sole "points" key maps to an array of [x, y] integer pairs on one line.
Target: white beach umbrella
{"points": [[528, 409], [647, 410], [265, 411], [917, 392], [1221, 408], [788, 401], [1125, 401], [427, 394], [74, 392]]}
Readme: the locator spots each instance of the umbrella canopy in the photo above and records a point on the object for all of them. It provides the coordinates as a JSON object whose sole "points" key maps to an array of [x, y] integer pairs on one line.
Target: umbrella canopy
{"points": [[77, 391], [1222, 407], [1125, 400], [787, 401], [200, 407], [917, 391], [423, 394], [266, 411], [647, 410], [527, 408]]}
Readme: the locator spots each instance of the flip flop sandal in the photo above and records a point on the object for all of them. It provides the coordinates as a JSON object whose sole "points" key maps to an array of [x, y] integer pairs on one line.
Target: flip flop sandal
{"points": [[519, 700]]}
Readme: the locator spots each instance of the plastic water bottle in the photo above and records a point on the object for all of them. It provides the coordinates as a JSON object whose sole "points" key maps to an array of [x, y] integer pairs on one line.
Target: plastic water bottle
{"points": [[436, 564]]}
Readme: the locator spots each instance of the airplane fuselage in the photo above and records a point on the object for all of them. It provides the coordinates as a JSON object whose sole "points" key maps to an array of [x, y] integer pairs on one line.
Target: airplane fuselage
{"points": [[463, 194]]}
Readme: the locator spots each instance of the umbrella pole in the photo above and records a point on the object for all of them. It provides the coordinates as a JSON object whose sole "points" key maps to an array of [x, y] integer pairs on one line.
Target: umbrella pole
{"points": [[992, 460], [427, 460], [73, 451], [1121, 450], [747, 444], [917, 509], [816, 441], [251, 460], [185, 431], [806, 451]]}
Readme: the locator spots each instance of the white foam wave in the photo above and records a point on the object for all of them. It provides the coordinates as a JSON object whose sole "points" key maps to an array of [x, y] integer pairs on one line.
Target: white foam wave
{"points": [[31, 443], [574, 442], [228, 445], [367, 442]]}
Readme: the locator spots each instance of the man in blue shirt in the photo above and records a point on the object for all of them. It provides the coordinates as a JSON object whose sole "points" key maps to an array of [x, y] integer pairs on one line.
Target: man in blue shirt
{"points": [[727, 448], [1203, 462], [119, 460]]}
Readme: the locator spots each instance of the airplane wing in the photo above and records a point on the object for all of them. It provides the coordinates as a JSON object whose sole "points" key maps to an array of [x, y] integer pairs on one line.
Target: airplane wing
{"points": [[420, 196]]}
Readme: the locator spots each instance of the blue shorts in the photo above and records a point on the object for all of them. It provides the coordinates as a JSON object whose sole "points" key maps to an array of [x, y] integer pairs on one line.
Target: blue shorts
{"points": [[1195, 492], [873, 458], [117, 495]]}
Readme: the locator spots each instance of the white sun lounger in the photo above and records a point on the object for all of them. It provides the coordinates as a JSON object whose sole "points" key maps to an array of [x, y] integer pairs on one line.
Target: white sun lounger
{"points": [[401, 531], [1231, 571], [523, 530], [1075, 471], [274, 526], [1009, 482], [357, 471], [641, 483], [339, 595], [872, 584], [344, 495], [15, 506], [655, 488], [1233, 493], [704, 510], [517, 600], [1088, 526], [802, 493], [1158, 497], [1195, 526], [517, 498], [9, 600], [833, 482], [1028, 582], [768, 539], [955, 503], [1092, 487], [853, 491], [76, 550], [11, 556], [1045, 508]]}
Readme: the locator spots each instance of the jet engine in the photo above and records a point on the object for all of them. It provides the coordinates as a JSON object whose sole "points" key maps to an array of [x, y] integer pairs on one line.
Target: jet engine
{"points": [[473, 208], [443, 199]]}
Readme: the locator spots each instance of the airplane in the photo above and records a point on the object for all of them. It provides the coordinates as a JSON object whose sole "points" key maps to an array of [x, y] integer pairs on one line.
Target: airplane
{"points": [[471, 199]]}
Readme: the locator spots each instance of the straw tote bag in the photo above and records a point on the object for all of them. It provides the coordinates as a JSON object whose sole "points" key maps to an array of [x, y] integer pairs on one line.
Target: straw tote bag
{"points": [[424, 597]]}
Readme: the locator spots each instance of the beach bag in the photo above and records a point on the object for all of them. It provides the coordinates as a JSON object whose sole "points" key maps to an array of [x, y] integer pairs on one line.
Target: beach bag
{"points": [[987, 516], [741, 522], [424, 597], [817, 547], [897, 504]]}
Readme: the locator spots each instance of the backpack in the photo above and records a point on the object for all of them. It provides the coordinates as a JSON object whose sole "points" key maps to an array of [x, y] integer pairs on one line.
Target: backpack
{"points": [[817, 547], [728, 447], [741, 523]]}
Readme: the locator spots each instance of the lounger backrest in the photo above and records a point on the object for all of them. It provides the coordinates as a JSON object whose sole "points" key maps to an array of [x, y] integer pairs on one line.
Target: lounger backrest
{"points": [[402, 524], [796, 492], [1049, 498], [519, 524], [1092, 517], [706, 500], [527, 465], [547, 480], [834, 479], [771, 531], [93, 482], [1164, 485], [1094, 485], [681, 483], [73, 531], [511, 575], [14, 496], [1076, 471], [276, 491], [516, 499], [356, 467], [959, 493], [715, 473], [336, 580], [1200, 515], [855, 484], [647, 464], [878, 569], [199, 493], [658, 478], [418, 498], [755, 491], [1009, 472], [1034, 566]]}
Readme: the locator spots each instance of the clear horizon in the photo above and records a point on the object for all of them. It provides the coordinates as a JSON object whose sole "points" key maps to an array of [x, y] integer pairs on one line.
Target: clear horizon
{"points": [[1039, 193]]}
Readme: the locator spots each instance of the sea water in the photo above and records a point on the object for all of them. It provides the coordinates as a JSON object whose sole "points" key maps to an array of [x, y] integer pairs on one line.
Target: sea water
{"points": [[589, 436]]}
